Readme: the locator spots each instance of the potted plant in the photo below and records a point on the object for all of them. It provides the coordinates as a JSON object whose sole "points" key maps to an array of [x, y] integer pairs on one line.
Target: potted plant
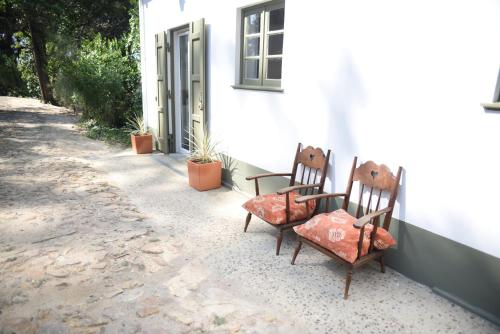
{"points": [[140, 136], [204, 164]]}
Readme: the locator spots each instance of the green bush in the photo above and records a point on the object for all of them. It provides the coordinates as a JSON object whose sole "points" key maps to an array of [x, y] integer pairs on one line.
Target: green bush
{"points": [[101, 77], [96, 82], [26, 65], [11, 82], [110, 135]]}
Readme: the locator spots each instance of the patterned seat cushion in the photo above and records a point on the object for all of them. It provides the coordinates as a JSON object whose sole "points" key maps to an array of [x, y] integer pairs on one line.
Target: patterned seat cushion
{"points": [[272, 207], [335, 232]]}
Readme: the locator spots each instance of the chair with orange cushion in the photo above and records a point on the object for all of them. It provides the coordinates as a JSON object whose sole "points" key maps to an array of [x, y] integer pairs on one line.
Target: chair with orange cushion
{"points": [[354, 240], [280, 209]]}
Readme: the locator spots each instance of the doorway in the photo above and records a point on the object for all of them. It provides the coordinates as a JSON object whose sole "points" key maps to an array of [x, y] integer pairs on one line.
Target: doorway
{"points": [[180, 63], [181, 90]]}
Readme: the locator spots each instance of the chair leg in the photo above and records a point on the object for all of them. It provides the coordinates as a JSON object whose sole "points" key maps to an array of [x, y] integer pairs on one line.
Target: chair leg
{"points": [[347, 282], [279, 238], [297, 250], [382, 265], [249, 216]]}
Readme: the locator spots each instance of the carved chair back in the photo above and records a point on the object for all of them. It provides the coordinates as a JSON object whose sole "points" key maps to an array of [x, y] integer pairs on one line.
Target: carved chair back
{"points": [[310, 167], [379, 183]]}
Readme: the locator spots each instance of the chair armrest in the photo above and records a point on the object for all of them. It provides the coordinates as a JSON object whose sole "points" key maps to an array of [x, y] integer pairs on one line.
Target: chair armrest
{"points": [[292, 188], [258, 176], [303, 199], [367, 218]]}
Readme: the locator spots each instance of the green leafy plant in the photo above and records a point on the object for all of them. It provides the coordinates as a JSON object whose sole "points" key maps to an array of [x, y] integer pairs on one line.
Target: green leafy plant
{"points": [[94, 81], [110, 135], [204, 150], [11, 82], [137, 125]]}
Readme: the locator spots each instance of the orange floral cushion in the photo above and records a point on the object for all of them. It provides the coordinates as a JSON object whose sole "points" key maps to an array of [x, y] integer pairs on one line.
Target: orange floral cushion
{"points": [[272, 207], [335, 232]]}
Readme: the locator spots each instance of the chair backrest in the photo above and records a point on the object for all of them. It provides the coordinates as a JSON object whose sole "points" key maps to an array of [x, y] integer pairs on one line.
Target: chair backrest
{"points": [[310, 167], [379, 182]]}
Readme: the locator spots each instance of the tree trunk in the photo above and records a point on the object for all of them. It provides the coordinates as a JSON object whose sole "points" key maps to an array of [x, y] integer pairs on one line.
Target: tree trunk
{"points": [[40, 57]]}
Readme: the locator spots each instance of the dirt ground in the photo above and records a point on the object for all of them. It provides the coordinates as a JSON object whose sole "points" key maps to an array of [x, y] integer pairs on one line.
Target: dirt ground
{"points": [[95, 239], [77, 256]]}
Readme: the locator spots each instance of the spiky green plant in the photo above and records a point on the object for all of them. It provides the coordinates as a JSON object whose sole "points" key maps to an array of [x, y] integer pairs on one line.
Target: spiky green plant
{"points": [[137, 125], [204, 150]]}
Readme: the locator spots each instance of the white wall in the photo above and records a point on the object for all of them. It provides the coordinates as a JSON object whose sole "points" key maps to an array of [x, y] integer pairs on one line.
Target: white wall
{"points": [[396, 82]]}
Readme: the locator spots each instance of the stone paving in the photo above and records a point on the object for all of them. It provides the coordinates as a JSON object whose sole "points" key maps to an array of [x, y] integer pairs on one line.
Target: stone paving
{"points": [[94, 239]]}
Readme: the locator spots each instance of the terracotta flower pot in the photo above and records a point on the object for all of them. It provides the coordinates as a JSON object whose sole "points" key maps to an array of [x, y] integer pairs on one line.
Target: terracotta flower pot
{"points": [[142, 144], [205, 176]]}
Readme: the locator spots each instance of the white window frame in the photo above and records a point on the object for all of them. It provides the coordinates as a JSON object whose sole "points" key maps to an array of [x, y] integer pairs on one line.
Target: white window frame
{"points": [[262, 80]]}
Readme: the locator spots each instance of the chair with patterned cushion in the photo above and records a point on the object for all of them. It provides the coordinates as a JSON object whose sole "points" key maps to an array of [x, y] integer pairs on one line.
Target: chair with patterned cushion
{"points": [[354, 240], [280, 209]]}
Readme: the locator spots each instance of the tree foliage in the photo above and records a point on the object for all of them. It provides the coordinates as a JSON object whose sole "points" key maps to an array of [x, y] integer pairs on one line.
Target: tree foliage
{"points": [[80, 53], [98, 79]]}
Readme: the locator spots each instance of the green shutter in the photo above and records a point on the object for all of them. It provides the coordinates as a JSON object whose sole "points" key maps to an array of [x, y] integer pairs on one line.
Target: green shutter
{"points": [[162, 91], [197, 92]]}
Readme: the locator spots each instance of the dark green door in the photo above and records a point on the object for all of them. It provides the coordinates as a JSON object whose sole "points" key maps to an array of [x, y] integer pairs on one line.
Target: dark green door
{"points": [[162, 91], [197, 92]]}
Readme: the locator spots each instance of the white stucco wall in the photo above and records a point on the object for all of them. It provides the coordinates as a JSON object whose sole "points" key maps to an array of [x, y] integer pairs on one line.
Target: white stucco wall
{"points": [[395, 82]]}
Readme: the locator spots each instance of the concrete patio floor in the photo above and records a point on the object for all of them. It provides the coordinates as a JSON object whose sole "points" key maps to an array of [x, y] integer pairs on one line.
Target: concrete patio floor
{"points": [[96, 239]]}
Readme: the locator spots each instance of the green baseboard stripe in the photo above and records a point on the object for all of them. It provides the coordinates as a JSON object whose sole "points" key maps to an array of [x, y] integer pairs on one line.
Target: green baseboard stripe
{"points": [[467, 306], [235, 171], [464, 275]]}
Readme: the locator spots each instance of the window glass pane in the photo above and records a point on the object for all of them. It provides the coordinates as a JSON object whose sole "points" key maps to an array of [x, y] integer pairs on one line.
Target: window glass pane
{"points": [[253, 45], [253, 23], [252, 68], [274, 68], [277, 19], [184, 87], [275, 44]]}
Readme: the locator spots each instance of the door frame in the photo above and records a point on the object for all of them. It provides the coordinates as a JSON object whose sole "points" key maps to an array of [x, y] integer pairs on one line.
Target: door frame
{"points": [[177, 98]]}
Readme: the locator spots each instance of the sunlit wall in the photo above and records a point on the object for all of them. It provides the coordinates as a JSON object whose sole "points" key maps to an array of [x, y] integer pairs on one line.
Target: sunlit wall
{"points": [[398, 82]]}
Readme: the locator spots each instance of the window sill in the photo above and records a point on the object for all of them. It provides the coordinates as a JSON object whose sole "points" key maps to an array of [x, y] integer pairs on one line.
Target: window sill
{"points": [[261, 88], [491, 106]]}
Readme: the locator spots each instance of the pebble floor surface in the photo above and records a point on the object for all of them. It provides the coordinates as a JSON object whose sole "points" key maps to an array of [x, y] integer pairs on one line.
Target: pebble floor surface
{"points": [[94, 239]]}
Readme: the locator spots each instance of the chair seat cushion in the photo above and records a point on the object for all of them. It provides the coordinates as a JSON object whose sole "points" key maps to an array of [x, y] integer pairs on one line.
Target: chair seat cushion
{"points": [[272, 208], [335, 232]]}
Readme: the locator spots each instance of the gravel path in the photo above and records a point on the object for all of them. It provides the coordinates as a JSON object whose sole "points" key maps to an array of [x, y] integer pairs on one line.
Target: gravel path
{"points": [[94, 239], [77, 256]]}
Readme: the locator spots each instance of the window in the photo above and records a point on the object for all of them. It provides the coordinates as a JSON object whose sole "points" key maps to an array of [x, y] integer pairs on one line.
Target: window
{"points": [[262, 45]]}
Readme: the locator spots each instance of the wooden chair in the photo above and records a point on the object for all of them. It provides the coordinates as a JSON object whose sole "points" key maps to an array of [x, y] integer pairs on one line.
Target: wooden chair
{"points": [[352, 240], [279, 209]]}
